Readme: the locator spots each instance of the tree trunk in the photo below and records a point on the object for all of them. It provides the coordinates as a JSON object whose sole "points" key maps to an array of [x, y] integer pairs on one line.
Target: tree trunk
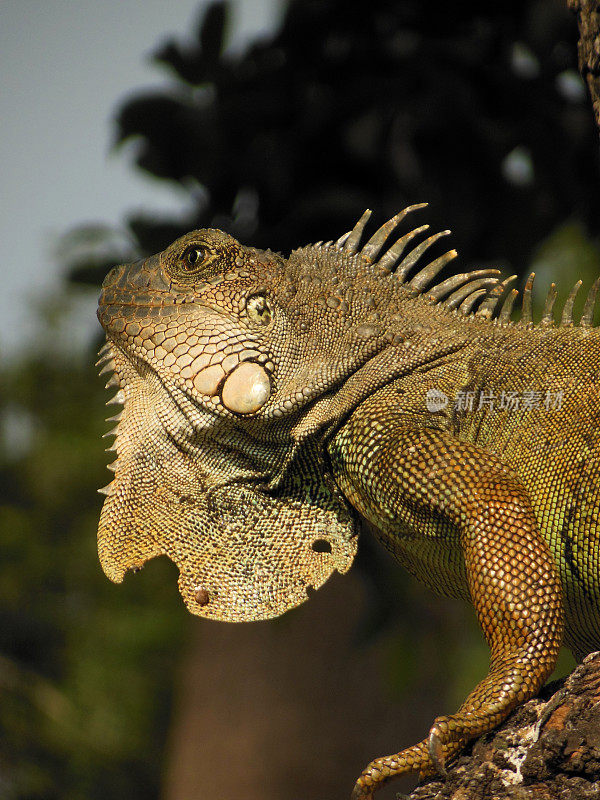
{"points": [[549, 749]]}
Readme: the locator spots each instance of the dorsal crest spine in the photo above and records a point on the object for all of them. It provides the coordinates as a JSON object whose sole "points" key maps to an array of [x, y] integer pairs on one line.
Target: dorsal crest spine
{"points": [[477, 294]]}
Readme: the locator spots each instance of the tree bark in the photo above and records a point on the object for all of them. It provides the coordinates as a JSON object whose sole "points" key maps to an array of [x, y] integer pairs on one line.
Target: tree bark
{"points": [[549, 749], [588, 18]]}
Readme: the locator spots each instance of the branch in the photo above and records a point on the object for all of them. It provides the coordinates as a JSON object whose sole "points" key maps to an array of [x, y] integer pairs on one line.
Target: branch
{"points": [[588, 19], [548, 749]]}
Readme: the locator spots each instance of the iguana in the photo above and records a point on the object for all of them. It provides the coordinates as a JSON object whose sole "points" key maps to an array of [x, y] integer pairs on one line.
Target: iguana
{"points": [[272, 403]]}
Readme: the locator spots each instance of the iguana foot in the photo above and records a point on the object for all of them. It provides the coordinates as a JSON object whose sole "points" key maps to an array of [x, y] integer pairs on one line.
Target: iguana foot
{"points": [[417, 758]]}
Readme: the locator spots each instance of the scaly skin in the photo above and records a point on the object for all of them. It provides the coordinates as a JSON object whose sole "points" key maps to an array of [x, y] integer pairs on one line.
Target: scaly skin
{"points": [[270, 404]]}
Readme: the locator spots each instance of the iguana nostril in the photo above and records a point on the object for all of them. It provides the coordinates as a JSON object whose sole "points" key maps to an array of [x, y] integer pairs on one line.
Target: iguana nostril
{"points": [[246, 389]]}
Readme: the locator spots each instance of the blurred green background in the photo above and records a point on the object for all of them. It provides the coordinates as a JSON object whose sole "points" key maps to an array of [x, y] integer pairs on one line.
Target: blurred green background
{"points": [[115, 691]]}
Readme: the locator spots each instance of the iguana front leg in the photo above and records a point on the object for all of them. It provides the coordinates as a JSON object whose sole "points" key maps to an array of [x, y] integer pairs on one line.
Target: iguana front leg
{"points": [[422, 488]]}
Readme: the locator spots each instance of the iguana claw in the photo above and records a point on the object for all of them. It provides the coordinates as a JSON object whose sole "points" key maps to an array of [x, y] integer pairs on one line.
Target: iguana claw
{"points": [[436, 752]]}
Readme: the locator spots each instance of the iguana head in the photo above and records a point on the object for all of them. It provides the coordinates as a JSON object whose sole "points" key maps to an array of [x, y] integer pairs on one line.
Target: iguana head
{"points": [[233, 364]]}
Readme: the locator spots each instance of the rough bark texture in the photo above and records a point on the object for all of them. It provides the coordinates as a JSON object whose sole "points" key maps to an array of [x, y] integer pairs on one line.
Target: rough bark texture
{"points": [[549, 749], [588, 18]]}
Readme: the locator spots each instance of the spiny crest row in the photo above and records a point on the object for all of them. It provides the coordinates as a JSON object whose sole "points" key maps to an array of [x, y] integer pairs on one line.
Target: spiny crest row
{"points": [[462, 291]]}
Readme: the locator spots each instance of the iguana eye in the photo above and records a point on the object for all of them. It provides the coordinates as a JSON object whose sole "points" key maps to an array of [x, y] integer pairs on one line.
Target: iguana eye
{"points": [[258, 309], [192, 257]]}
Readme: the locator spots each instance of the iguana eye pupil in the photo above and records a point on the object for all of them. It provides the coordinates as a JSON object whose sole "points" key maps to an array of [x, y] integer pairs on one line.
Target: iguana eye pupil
{"points": [[193, 256]]}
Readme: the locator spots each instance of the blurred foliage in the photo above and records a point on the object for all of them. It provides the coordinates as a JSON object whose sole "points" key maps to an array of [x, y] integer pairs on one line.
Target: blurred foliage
{"points": [[86, 667], [566, 255], [475, 108]]}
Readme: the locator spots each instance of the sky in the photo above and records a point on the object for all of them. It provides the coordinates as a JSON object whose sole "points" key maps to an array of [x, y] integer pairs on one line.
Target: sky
{"points": [[66, 66]]}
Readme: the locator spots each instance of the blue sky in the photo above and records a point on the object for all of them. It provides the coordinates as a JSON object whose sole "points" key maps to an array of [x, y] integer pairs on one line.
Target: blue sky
{"points": [[65, 66]]}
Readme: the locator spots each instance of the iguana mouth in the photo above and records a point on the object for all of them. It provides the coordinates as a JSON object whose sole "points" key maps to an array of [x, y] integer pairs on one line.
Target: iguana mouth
{"points": [[220, 367]]}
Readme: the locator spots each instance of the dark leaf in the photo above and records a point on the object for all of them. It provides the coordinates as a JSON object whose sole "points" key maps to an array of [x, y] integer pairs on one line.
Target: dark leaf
{"points": [[211, 34]]}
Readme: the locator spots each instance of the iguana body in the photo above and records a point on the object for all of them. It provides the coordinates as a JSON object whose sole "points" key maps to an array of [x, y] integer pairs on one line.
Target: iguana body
{"points": [[271, 403]]}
